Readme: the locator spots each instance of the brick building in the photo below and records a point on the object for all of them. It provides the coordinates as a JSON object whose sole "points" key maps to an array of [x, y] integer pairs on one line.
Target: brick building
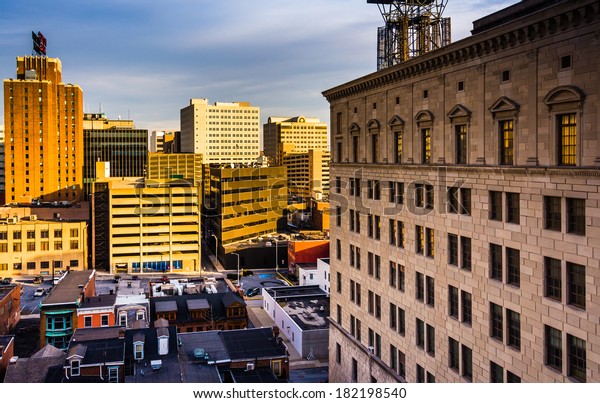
{"points": [[467, 244]]}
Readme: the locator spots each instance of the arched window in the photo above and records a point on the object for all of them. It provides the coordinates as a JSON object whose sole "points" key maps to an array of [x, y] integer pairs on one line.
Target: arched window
{"points": [[424, 120]]}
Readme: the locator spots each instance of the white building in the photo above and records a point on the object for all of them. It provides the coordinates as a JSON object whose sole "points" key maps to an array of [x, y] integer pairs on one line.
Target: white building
{"points": [[225, 132], [315, 275]]}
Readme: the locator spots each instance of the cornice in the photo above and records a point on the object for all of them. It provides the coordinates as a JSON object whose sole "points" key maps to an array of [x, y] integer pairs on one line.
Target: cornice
{"points": [[470, 48]]}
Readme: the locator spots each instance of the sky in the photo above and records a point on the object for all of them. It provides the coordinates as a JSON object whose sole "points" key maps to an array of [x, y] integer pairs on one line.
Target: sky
{"points": [[145, 59]]}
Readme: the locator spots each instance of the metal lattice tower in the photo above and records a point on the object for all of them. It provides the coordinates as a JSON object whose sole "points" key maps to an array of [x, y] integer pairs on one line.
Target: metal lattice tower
{"points": [[412, 28]]}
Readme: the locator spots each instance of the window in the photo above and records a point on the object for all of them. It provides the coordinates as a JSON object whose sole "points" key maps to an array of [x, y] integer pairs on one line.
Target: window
{"points": [[339, 282], [400, 234], [30, 265], [420, 374], [44, 233], [74, 244], [430, 291], [496, 262], [431, 340], [452, 249], [576, 216], [567, 139], [430, 242], [513, 269], [496, 373], [553, 277], [140, 315], [505, 76], [355, 148], [57, 245], [461, 143], [75, 368], [467, 304], [87, 321], [104, 320], [419, 195], [552, 213], [371, 302], [465, 201], [401, 321], [465, 253], [429, 195], [506, 142], [420, 334], [495, 206], [513, 210], [553, 344], [123, 319], [513, 329], [354, 375], [57, 233], [576, 285], [453, 354], [16, 234], [453, 302], [338, 216], [74, 263], [377, 227], [401, 277], [30, 234], [17, 247], [419, 286], [392, 275], [138, 351], [30, 246], [512, 378], [420, 242], [453, 200], [375, 148], [392, 231], [426, 145], [393, 317], [74, 232], [339, 314], [338, 353], [352, 257], [496, 325], [565, 62], [398, 147], [467, 362], [576, 358], [338, 249]]}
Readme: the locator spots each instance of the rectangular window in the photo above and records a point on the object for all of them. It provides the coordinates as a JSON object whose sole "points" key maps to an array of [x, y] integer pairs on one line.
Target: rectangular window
{"points": [[430, 246], [74, 244], [461, 144], [57, 233], [453, 354], [87, 321], [452, 249], [576, 285], [104, 320], [355, 148], [377, 227], [431, 340], [393, 358], [420, 241], [465, 253], [430, 300], [453, 200], [496, 373], [30, 234], [401, 364], [30, 246], [338, 216], [429, 196], [354, 369], [466, 302], [453, 302], [496, 319], [467, 362], [339, 314], [465, 201], [392, 275], [401, 321], [513, 329], [513, 210], [496, 262], [426, 145], [552, 213], [553, 349], [400, 234], [378, 306], [419, 286], [398, 147], [338, 249], [339, 282], [495, 206], [392, 231], [567, 139], [352, 262], [576, 358], [420, 334], [399, 192], [513, 267], [338, 353], [506, 142], [553, 277], [576, 216], [512, 378], [401, 277], [420, 374], [393, 317], [371, 302], [419, 195]]}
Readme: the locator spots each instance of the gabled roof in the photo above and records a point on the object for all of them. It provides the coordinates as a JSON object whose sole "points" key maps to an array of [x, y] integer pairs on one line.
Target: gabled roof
{"points": [[77, 351], [38, 368], [217, 303]]}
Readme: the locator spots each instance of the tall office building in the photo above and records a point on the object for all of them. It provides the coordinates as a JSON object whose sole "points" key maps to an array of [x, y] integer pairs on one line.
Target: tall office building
{"points": [[2, 178], [293, 135], [308, 174], [158, 140], [44, 133], [225, 132], [466, 243], [114, 141]]}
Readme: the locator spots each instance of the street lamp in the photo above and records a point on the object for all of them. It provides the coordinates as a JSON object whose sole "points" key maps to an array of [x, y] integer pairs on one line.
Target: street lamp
{"points": [[238, 266], [216, 246]]}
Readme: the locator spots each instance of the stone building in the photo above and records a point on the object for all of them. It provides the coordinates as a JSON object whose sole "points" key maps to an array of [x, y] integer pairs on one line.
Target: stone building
{"points": [[465, 183]]}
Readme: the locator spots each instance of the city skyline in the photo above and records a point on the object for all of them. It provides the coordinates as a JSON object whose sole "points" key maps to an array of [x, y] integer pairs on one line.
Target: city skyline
{"points": [[144, 62]]}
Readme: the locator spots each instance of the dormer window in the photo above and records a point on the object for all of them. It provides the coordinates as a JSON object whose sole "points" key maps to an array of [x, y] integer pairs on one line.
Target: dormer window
{"points": [[75, 367], [139, 315], [123, 319]]}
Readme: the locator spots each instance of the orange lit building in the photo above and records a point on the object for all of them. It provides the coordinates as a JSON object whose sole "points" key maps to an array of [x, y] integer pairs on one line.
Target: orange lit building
{"points": [[44, 133], [306, 251]]}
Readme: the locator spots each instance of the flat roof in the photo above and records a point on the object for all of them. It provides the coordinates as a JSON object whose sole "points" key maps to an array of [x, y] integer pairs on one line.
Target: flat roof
{"points": [[6, 289], [287, 292], [308, 313], [100, 301], [67, 291]]}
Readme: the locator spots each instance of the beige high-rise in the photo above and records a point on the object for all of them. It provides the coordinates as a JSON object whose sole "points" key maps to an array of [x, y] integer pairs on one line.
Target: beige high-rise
{"points": [[466, 246], [296, 135], [225, 132], [44, 133]]}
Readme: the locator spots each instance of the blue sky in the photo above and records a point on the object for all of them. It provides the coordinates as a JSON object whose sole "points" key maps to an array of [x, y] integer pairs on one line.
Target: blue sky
{"points": [[144, 59]]}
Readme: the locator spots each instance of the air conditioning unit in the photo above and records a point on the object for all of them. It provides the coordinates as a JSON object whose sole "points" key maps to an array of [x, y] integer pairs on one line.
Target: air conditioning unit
{"points": [[371, 350], [12, 220], [250, 366]]}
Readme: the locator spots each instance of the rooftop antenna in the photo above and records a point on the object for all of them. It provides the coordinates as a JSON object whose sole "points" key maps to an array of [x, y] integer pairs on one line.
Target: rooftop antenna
{"points": [[412, 28]]}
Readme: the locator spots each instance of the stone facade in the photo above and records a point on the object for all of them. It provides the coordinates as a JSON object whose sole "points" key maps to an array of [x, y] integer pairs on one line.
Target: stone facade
{"points": [[492, 147]]}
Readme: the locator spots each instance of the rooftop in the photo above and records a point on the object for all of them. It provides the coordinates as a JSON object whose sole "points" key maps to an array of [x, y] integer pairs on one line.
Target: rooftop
{"points": [[307, 306], [285, 293], [6, 289], [70, 288], [100, 301], [4, 342]]}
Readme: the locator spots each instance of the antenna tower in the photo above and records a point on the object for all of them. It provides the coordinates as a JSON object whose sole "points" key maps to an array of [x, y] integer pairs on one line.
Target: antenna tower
{"points": [[412, 28]]}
